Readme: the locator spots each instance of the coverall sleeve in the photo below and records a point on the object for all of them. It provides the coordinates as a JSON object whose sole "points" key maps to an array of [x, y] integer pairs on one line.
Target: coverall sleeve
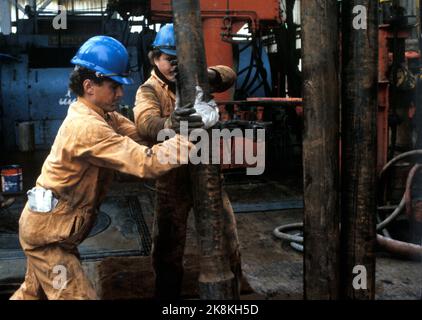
{"points": [[224, 80], [127, 128], [147, 113], [99, 144]]}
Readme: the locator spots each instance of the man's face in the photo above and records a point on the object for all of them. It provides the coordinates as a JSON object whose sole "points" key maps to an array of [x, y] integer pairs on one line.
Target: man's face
{"points": [[107, 96], [163, 64]]}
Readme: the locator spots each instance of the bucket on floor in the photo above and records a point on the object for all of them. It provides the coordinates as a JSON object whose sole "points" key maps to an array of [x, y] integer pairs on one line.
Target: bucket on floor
{"points": [[11, 179]]}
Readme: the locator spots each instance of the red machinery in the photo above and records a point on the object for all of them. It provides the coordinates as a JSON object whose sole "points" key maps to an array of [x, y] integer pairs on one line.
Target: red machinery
{"points": [[386, 36], [221, 20]]}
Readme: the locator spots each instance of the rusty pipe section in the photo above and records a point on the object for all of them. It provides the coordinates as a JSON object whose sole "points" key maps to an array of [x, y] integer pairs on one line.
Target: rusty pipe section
{"points": [[321, 148], [359, 141], [216, 280], [190, 50], [400, 249]]}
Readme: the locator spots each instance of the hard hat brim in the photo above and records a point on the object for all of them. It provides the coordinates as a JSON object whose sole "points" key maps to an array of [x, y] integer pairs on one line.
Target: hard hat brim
{"points": [[170, 52], [92, 67], [122, 80]]}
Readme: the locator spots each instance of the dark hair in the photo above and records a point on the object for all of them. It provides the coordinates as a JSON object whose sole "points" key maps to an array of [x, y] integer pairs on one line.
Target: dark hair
{"points": [[77, 78], [154, 54]]}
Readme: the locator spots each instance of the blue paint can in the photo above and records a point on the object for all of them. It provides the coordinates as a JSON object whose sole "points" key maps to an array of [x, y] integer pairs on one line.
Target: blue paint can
{"points": [[11, 179]]}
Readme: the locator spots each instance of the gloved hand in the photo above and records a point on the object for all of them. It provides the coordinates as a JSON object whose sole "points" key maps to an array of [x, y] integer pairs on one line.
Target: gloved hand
{"points": [[207, 110], [186, 114]]}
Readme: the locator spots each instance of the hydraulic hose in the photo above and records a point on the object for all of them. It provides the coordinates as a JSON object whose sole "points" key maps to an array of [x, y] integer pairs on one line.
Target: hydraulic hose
{"points": [[399, 248]]}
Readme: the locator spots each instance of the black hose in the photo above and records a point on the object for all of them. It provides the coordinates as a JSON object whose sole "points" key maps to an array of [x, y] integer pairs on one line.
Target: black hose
{"points": [[281, 231], [296, 241]]}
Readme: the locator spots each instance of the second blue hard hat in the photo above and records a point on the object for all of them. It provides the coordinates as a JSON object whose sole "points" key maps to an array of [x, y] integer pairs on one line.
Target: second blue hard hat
{"points": [[165, 40], [106, 56]]}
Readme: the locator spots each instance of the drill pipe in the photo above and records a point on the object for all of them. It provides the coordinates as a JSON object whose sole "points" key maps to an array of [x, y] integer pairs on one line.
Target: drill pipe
{"points": [[216, 280]]}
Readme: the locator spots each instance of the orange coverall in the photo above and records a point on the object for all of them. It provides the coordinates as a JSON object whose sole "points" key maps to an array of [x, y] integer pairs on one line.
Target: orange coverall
{"points": [[88, 147], [154, 104]]}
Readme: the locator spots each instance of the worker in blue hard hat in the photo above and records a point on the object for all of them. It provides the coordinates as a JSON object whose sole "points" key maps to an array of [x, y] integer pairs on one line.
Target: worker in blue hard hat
{"points": [[106, 56], [165, 40], [92, 142], [155, 109]]}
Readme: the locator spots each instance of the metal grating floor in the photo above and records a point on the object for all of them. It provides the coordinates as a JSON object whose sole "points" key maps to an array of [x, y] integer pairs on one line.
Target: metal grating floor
{"points": [[120, 230]]}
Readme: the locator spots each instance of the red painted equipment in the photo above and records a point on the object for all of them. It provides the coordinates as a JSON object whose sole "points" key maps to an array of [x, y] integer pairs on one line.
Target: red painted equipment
{"points": [[221, 20], [383, 97]]}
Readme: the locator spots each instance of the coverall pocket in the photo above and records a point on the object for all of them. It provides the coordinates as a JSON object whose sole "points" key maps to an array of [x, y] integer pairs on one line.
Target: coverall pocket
{"points": [[39, 229], [77, 232]]}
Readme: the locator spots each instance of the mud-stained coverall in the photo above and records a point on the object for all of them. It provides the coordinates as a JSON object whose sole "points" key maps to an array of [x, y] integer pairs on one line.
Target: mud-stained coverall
{"points": [[78, 170], [154, 104]]}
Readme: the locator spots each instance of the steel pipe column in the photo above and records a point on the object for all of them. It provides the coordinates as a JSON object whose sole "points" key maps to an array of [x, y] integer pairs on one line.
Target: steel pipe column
{"points": [[321, 148], [216, 280], [359, 147]]}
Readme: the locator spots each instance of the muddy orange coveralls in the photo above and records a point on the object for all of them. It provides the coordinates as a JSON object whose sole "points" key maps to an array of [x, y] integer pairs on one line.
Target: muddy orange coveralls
{"points": [[155, 101], [87, 148]]}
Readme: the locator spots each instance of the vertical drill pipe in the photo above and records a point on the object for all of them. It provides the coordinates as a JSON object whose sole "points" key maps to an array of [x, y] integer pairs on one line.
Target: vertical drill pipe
{"points": [[190, 49], [359, 145], [321, 148], [216, 280]]}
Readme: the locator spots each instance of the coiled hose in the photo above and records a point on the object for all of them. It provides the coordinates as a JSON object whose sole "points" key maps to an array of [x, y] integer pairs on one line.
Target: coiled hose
{"points": [[400, 248]]}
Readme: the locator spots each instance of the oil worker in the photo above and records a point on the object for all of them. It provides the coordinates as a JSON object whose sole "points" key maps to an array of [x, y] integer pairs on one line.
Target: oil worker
{"points": [[92, 141], [155, 110]]}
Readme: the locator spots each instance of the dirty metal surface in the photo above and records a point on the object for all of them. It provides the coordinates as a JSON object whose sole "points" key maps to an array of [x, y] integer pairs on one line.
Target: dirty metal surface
{"points": [[119, 231], [271, 268]]}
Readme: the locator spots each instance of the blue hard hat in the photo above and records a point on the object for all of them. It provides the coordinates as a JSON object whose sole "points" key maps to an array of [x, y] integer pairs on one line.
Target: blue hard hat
{"points": [[106, 56], [165, 40]]}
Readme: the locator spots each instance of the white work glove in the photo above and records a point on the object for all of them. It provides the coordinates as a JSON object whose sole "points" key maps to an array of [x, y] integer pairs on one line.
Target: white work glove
{"points": [[207, 110]]}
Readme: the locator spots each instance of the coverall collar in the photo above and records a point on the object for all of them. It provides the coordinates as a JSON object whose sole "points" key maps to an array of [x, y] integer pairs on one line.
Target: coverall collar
{"points": [[93, 107], [163, 81]]}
